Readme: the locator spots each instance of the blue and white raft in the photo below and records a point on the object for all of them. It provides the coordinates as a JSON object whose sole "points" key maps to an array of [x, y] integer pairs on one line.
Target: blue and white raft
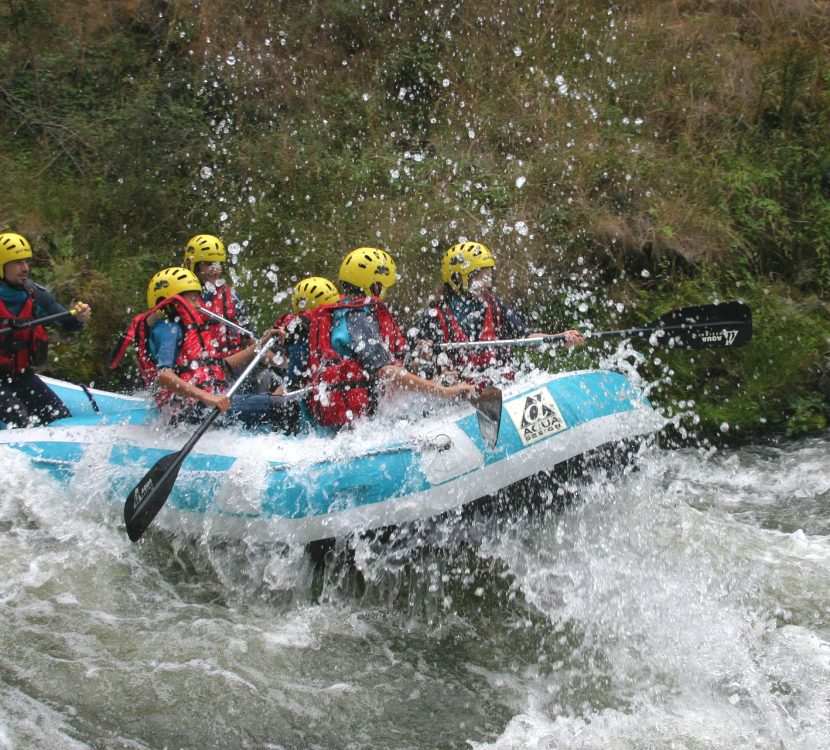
{"points": [[386, 471]]}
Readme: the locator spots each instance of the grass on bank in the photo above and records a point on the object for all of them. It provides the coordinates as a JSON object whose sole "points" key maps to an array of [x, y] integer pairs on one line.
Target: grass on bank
{"points": [[655, 154]]}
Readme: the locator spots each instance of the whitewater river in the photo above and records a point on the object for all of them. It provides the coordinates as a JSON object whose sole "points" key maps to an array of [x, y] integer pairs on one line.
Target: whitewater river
{"points": [[682, 605]]}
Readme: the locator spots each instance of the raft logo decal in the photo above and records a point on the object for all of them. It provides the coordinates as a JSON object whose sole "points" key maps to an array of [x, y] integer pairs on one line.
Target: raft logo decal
{"points": [[536, 416]]}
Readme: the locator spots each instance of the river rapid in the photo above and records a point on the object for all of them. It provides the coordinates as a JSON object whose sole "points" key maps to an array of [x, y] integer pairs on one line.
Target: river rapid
{"points": [[681, 604]]}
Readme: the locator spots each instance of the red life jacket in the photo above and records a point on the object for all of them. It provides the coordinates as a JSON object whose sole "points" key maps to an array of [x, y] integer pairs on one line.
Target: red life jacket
{"points": [[342, 390], [229, 340], [288, 319], [23, 348], [472, 359], [199, 361]]}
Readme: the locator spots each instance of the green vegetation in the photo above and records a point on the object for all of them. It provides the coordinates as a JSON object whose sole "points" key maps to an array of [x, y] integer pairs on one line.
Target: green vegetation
{"points": [[650, 153]]}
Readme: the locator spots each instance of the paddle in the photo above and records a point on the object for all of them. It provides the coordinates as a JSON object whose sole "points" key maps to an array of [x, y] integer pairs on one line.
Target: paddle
{"points": [[727, 324], [150, 494], [487, 404], [15, 325], [88, 394]]}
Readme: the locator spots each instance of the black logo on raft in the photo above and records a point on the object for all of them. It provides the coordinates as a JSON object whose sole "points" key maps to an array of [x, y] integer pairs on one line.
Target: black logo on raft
{"points": [[727, 336], [540, 417]]}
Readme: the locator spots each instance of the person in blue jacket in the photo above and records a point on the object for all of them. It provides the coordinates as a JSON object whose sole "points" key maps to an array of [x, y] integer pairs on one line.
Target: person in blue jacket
{"points": [[308, 294], [185, 367], [24, 398]]}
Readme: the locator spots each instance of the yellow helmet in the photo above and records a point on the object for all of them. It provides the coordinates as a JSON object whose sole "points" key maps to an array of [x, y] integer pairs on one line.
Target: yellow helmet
{"points": [[312, 292], [461, 260], [367, 266], [171, 281], [13, 247], [204, 248]]}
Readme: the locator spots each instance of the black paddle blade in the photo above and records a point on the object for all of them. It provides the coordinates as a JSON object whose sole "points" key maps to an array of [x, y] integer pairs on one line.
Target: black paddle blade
{"points": [[150, 494], [487, 404], [728, 324]]}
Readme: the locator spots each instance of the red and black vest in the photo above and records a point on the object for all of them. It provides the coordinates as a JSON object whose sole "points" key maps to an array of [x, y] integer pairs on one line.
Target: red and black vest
{"points": [[228, 340], [199, 362], [23, 348], [476, 360], [342, 390]]}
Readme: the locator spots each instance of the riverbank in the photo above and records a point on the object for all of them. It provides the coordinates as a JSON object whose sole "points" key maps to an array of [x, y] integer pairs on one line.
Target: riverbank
{"points": [[618, 161]]}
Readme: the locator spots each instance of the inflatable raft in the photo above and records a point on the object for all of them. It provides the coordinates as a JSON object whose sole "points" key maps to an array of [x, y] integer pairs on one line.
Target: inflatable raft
{"points": [[386, 471]]}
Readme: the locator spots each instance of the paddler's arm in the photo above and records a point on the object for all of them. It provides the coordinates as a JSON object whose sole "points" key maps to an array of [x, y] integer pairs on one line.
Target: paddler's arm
{"points": [[514, 327], [244, 357], [402, 378], [46, 304], [172, 382]]}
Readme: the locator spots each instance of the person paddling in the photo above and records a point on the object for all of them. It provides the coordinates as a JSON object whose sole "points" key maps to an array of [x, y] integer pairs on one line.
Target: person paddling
{"points": [[467, 310], [181, 361], [307, 295], [356, 347], [204, 255], [24, 398]]}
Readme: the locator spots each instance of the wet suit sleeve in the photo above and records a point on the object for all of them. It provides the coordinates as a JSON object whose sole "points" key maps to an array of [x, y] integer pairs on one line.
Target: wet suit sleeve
{"points": [[46, 304], [366, 343], [429, 328], [513, 325]]}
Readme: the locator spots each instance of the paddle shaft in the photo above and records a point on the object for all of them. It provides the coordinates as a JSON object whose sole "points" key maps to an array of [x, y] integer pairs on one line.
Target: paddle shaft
{"points": [[151, 493], [227, 322], [23, 324]]}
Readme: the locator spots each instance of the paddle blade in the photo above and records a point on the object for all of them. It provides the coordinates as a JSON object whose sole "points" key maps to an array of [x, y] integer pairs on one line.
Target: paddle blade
{"points": [[150, 494], [728, 324], [487, 404]]}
